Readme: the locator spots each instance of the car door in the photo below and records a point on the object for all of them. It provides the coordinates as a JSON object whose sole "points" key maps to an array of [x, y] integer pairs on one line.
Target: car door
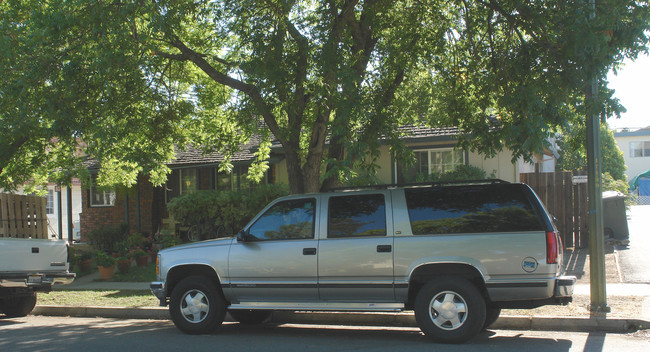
{"points": [[278, 259], [355, 260]]}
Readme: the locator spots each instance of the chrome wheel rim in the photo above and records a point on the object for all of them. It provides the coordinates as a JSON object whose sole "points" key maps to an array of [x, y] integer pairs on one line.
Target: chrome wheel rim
{"points": [[448, 310], [195, 306]]}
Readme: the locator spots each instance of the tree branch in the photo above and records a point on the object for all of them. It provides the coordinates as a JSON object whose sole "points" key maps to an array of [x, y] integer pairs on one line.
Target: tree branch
{"points": [[251, 90]]}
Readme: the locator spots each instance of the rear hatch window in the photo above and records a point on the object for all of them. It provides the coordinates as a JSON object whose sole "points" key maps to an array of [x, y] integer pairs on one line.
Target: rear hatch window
{"points": [[471, 209]]}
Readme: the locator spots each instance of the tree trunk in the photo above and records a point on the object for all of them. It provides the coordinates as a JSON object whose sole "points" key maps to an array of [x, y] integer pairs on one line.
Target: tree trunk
{"points": [[294, 172]]}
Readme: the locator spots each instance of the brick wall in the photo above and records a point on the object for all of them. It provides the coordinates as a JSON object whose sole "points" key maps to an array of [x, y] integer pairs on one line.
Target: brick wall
{"points": [[97, 217]]}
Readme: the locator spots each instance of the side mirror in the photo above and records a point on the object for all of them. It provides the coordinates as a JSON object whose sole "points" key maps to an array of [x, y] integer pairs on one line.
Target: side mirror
{"points": [[242, 236]]}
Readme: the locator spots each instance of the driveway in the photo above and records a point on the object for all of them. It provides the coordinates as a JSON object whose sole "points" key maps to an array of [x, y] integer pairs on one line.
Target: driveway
{"points": [[634, 258]]}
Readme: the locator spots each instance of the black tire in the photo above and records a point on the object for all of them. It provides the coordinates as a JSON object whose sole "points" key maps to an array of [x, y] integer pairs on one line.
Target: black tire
{"points": [[19, 306], [250, 317], [491, 316], [197, 306], [450, 310]]}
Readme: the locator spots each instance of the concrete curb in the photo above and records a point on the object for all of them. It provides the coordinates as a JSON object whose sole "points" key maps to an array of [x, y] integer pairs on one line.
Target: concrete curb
{"points": [[575, 324]]}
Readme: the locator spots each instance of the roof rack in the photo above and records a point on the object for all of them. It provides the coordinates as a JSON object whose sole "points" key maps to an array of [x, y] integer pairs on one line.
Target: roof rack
{"points": [[418, 184]]}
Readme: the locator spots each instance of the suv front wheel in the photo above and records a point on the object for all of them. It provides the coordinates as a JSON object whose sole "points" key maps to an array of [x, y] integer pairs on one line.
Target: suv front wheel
{"points": [[197, 306], [450, 310]]}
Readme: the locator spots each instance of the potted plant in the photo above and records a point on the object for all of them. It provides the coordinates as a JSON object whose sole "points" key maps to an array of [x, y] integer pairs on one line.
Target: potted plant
{"points": [[85, 262], [153, 253], [124, 264], [141, 257], [105, 265]]}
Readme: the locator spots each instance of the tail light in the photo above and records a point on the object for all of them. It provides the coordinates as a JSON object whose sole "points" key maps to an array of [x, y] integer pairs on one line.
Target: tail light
{"points": [[552, 247]]}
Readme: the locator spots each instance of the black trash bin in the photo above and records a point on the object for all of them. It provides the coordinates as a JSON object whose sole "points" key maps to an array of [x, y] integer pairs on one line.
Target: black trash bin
{"points": [[614, 216]]}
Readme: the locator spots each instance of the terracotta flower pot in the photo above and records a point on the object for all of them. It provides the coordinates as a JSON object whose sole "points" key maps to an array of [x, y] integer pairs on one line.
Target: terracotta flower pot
{"points": [[85, 265], [124, 265], [106, 273], [142, 260]]}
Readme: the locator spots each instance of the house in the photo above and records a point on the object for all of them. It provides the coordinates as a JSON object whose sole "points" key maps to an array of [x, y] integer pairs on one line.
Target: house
{"points": [[144, 207], [635, 145]]}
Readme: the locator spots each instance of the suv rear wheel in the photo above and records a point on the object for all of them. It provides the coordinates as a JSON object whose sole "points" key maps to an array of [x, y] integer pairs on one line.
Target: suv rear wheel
{"points": [[197, 306], [450, 310]]}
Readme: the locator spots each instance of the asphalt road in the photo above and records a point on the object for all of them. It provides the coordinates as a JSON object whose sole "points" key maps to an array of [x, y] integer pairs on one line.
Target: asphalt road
{"points": [[38, 333], [634, 258]]}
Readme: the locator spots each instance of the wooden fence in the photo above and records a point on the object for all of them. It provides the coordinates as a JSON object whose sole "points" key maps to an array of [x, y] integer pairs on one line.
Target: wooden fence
{"points": [[565, 196], [23, 216]]}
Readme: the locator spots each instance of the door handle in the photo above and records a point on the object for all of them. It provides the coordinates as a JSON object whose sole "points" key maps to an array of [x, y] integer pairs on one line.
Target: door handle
{"points": [[384, 248], [309, 251]]}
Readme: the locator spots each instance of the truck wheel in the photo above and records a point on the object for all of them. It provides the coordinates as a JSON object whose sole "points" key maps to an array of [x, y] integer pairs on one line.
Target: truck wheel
{"points": [[197, 306], [450, 310], [491, 316], [250, 317], [19, 306]]}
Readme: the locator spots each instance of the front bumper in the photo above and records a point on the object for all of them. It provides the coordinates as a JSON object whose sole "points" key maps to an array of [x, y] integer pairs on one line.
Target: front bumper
{"points": [[158, 289]]}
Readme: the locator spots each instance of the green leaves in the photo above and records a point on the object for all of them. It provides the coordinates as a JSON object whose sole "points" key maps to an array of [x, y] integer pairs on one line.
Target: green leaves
{"points": [[127, 82]]}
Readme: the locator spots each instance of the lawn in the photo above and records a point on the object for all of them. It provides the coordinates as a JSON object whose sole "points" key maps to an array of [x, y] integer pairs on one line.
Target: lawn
{"points": [[99, 298]]}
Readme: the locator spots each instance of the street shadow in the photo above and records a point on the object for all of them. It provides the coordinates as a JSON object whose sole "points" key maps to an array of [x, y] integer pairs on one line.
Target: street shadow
{"points": [[595, 342], [61, 334], [366, 337]]}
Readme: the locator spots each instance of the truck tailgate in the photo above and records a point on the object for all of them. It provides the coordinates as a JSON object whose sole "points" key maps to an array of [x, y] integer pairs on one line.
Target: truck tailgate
{"points": [[32, 255]]}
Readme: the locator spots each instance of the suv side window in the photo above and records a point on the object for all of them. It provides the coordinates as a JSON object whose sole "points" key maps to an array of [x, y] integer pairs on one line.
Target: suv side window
{"points": [[289, 219], [357, 215], [470, 209]]}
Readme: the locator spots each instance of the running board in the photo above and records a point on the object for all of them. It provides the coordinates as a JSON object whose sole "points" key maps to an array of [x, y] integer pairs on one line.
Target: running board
{"points": [[321, 306]]}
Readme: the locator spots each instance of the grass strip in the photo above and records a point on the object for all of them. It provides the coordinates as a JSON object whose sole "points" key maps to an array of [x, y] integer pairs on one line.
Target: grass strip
{"points": [[99, 298]]}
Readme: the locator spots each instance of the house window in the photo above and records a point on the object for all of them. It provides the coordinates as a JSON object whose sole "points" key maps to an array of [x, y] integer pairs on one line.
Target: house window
{"points": [[49, 206], [188, 180], [639, 149], [237, 179], [101, 197], [430, 161], [224, 180]]}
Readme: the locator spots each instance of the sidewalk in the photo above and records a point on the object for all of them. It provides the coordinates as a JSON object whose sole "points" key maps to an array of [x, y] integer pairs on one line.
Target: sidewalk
{"points": [[580, 324]]}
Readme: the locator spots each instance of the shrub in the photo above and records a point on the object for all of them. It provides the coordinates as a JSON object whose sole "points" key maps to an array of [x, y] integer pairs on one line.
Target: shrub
{"points": [[103, 259], [460, 173], [228, 209], [108, 238]]}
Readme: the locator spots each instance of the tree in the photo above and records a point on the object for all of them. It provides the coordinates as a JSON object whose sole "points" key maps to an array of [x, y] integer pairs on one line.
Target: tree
{"points": [[127, 82], [573, 154]]}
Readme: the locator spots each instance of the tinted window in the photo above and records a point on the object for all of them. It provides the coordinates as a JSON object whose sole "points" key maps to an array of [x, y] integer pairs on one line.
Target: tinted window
{"points": [[290, 219], [471, 209], [358, 215]]}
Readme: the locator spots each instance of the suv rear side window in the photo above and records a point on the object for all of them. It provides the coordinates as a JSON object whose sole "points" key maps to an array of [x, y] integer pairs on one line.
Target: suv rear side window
{"points": [[471, 209], [357, 215], [289, 219]]}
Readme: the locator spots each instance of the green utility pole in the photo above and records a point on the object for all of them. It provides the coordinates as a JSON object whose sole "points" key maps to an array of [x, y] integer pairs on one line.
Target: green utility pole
{"points": [[594, 173]]}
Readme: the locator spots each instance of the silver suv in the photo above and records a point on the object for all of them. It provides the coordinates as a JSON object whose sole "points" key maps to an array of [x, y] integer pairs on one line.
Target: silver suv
{"points": [[455, 254]]}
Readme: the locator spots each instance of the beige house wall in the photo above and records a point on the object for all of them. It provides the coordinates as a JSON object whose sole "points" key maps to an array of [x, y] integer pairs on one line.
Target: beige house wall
{"points": [[500, 165], [635, 166]]}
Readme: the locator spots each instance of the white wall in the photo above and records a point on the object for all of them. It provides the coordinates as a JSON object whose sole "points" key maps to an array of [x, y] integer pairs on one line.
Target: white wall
{"points": [[76, 210], [635, 166]]}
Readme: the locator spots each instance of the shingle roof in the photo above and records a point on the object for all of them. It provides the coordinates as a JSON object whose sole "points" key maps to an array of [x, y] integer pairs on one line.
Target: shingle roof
{"points": [[412, 131], [194, 156]]}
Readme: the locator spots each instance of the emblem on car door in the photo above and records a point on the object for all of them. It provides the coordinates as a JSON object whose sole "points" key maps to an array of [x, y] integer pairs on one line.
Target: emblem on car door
{"points": [[529, 264]]}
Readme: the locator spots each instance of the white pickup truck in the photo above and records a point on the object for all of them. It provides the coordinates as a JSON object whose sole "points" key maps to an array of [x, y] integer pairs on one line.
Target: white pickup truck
{"points": [[28, 266]]}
